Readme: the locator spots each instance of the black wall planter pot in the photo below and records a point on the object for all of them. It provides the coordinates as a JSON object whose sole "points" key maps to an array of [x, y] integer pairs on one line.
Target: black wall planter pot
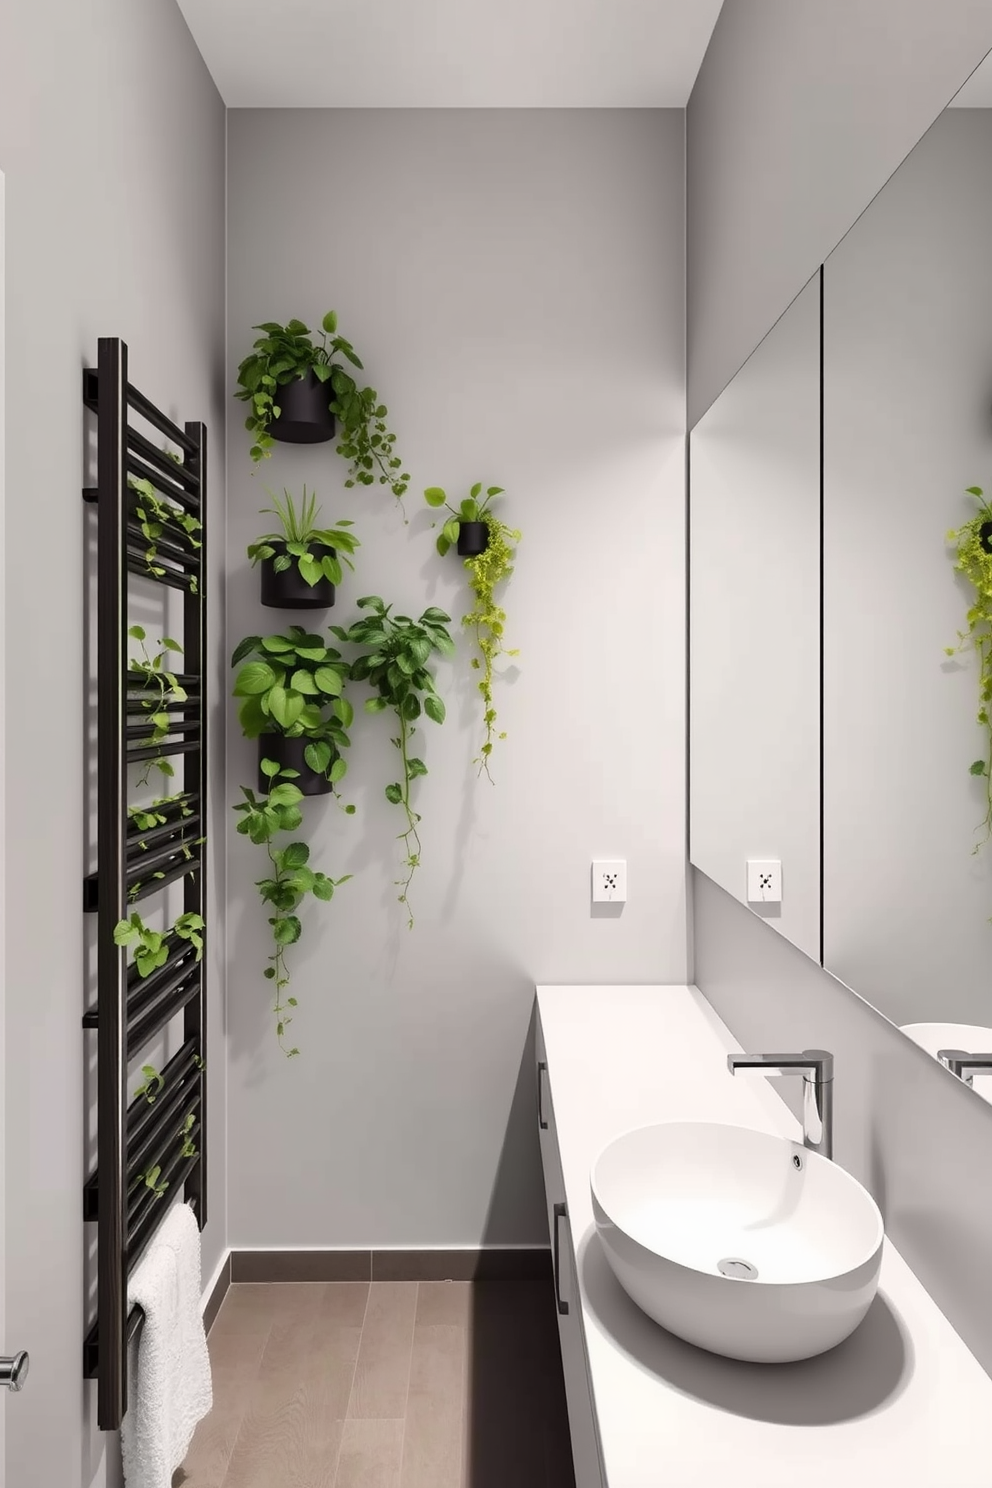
{"points": [[289, 754], [985, 536], [289, 590], [305, 417], [473, 539]]}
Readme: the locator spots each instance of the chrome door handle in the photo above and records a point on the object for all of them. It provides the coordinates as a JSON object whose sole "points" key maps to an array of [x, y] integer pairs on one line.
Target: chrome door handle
{"points": [[14, 1372]]}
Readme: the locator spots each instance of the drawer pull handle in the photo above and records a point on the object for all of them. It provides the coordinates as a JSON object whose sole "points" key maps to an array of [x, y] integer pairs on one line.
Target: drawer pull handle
{"points": [[542, 1070], [559, 1212]]}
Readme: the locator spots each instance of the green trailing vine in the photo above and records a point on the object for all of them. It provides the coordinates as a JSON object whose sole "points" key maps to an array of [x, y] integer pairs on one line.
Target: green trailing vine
{"points": [[151, 947], [974, 560], [284, 353], [152, 1085], [291, 879], [486, 571], [158, 517], [159, 691], [394, 657]]}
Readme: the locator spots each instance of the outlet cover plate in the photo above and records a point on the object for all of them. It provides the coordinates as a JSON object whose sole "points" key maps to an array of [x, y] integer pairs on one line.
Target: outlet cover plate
{"points": [[609, 881], [764, 881]]}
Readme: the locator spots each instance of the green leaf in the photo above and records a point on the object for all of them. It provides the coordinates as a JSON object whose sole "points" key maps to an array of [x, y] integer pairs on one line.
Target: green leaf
{"points": [[296, 855], [443, 546], [285, 707], [318, 756], [330, 322], [974, 490], [476, 490], [375, 704], [338, 770], [257, 677], [302, 681], [245, 648], [342, 710], [323, 888], [434, 496], [434, 708], [285, 794], [329, 680], [469, 510], [410, 707], [450, 531], [311, 571], [394, 794], [277, 643], [137, 633], [171, 645], [287, 931], [978, 768]]}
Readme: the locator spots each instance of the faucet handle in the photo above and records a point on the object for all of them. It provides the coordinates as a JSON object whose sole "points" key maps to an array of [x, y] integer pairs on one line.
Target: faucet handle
{"points": [[813, 1063], [963, 1064]]}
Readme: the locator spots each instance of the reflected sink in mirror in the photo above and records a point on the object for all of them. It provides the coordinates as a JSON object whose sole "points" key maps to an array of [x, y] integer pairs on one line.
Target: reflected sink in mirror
{"points": [[969, 1036], [743, 1243]]}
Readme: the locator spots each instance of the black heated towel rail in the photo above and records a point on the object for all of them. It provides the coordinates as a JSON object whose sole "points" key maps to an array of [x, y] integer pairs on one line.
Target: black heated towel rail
{"points": [[169, 1132]]}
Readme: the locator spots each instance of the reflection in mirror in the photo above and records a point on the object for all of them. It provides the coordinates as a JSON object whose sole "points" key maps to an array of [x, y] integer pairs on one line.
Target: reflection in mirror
{"points": [[754, 626], [907, 429]]}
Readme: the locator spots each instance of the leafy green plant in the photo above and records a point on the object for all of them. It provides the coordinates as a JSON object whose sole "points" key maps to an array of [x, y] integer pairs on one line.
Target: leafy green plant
{"points": [[160, 690], [293, 686], [486, 571], [284, 353], [394, 660], [152, 1086], [152, 1178], [158, 517], [300, 534], [263, 818], [151, 947], [974, 560], [149, 816], [188, 1149]]}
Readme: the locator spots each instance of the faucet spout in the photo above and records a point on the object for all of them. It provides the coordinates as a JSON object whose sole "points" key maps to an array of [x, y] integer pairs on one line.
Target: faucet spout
{"points": [[817, 1069]]}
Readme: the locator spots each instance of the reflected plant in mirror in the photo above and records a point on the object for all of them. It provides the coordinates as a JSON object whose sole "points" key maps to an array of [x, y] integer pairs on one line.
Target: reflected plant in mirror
{"points": [[973, 559]]}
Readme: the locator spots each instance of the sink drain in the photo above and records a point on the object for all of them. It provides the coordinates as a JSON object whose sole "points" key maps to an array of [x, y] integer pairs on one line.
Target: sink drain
{"points": [[738, 1269]]}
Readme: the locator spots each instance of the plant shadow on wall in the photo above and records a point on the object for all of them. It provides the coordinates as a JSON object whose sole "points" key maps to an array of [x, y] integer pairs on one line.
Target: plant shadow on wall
{"points": [[973, 560]]}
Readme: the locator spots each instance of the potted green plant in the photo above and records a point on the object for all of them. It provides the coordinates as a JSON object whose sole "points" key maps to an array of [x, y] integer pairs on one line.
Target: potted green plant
{"points": [[301, 565], [264, 817], [393, 660], [296, 386], [293, 704], [489, 563], [973, 559]]}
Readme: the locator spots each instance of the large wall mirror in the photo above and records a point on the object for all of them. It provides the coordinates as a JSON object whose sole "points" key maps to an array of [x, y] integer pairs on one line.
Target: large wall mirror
{"points": [[861, 500]]}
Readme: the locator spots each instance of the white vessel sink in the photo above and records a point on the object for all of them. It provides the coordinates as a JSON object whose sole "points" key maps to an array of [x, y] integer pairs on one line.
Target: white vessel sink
{"points": [[971, 1037], [738, 1241]]}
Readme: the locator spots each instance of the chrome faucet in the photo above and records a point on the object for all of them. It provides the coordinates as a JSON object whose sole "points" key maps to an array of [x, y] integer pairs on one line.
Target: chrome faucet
{"points": [[817, 1069], [965, 1066]]}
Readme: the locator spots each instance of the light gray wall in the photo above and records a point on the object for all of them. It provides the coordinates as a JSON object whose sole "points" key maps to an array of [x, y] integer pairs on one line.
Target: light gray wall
{"points": [[112, 142], [754, 624], [800, 112], [513, 281], [907, 373], [918, 1139]]}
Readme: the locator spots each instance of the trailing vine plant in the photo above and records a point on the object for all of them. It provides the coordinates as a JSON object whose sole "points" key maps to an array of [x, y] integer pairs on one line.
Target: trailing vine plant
{"points": [[395, 653], [292, 684], [159, 691], [151, 947], [263, 818], [973, 559], [158, 517], [284, 353], [486, 571]]}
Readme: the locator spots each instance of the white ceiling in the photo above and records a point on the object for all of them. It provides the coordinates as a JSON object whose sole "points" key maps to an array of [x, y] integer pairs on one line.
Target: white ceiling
{"points": [[977, 91], [452, 53]]}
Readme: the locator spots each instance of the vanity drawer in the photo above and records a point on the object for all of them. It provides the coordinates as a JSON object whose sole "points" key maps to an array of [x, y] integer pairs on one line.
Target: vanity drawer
{"points": [[581, 1418]]}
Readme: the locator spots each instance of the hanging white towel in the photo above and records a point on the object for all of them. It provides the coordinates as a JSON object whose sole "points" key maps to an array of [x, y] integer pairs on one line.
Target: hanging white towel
{"points": [[169, 1386]]}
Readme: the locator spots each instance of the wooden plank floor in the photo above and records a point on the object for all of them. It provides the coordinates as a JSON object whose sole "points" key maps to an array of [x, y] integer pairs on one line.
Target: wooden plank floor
{"points": [[384, 1385]]}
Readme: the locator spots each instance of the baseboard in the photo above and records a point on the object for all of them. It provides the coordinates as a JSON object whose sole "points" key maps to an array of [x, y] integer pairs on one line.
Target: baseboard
{"points": [[215, 1291], [486, 1263]]}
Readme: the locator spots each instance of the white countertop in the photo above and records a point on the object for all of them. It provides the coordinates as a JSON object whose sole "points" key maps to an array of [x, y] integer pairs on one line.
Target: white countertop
{"points": [[902, 1403]]}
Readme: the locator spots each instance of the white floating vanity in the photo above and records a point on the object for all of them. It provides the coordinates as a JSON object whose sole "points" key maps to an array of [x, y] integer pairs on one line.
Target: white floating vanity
{"points": [[902, 1403]]}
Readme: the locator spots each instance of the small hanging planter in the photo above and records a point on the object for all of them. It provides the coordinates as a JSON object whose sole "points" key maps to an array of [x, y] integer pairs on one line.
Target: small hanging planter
{"points": [[289, 754], [473, 538], [985, 537], [287, 589], [305, 416]]}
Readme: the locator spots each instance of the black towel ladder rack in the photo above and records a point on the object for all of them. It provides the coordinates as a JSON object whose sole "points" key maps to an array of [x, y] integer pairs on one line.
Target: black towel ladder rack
{"points": [[132, 864]]}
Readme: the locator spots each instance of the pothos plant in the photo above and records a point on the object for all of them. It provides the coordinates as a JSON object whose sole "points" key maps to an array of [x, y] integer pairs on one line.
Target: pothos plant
{"points": [[299, 537], [486, 571], [284, 353], [293, 685], [159, 690], [263, 818], [394, 657], [151, 947], [973, 559], [157, 518]]}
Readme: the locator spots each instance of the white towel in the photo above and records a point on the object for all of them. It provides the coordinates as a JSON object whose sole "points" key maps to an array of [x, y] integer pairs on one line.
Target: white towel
{"points": [[169, 1386]]}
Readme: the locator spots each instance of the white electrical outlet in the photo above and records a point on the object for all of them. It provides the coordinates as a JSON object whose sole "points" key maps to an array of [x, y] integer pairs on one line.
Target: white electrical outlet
{"points": [[609, 881], [764, 881]]}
